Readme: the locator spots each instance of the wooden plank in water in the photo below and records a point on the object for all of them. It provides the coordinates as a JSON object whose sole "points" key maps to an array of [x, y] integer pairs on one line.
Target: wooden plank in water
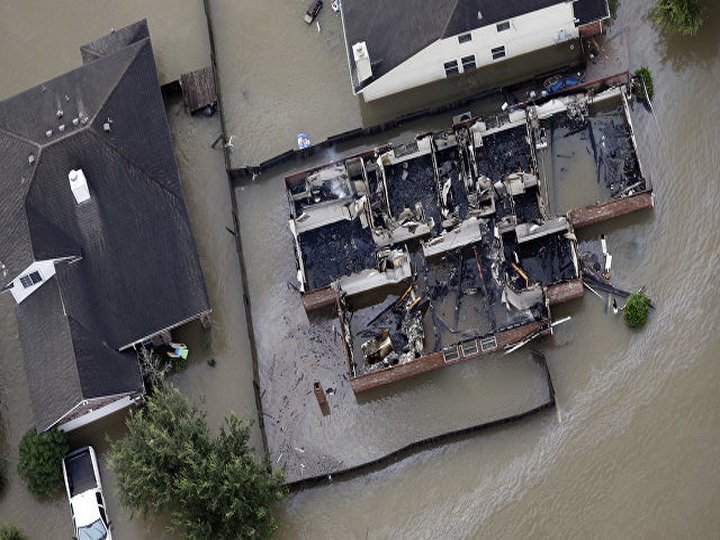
{"points": [[198, 89]]}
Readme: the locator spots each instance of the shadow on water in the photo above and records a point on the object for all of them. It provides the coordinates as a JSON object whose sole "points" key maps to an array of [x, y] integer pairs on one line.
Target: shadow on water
{"points": [[684, 53]]}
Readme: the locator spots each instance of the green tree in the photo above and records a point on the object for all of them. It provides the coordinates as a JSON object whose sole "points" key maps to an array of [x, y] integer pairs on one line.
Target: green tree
{"points": [[217, 488], [40, 460], [679, 16], [636, 309], [8, 531]]}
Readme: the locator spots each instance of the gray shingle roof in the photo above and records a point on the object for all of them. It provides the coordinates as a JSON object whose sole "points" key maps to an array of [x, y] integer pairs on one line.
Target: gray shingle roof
{"points": [[64, 363], [139, 271]]}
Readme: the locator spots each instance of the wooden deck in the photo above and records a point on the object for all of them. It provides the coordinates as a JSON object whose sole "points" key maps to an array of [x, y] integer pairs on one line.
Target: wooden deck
{"points": [[198, 89]]}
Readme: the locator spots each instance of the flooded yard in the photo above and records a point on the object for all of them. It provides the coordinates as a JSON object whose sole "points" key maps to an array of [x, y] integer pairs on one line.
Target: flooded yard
{"points": [[634, 445]]}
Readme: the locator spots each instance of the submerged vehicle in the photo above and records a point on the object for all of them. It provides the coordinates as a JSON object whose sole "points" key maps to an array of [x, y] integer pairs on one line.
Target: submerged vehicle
{"points": [[84, 491]]}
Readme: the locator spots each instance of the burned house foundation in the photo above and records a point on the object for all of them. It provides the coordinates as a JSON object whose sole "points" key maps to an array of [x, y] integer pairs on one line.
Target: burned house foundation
{"points": [[451, 246]]}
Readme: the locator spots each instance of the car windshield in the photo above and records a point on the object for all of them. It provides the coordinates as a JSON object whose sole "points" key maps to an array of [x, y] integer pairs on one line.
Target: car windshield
{"points": [[94, 531]]}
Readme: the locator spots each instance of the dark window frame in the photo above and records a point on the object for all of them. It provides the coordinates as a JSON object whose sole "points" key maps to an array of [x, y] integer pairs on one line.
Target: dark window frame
{"points": [[451, 68], [469, 62], [498, 52], [501, 27], [464, 38]]}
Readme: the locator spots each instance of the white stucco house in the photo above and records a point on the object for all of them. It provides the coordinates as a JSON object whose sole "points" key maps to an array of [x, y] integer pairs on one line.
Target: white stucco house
{"points": [[398, 45]]}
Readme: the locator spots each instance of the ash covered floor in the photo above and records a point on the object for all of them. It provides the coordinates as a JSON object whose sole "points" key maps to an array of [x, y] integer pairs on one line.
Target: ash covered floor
{"points": [[590, 160], [293, 352], [336, 250]]}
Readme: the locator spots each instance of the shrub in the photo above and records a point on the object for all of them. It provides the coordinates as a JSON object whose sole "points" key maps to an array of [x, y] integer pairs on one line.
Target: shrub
{"points": [[636, 309], [40, 460], [679, 16], [8, 531], [644, 74]]}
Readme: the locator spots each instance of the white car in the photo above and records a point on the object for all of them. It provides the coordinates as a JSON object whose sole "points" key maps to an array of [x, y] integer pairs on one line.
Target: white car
{"points": [[84, 490]]}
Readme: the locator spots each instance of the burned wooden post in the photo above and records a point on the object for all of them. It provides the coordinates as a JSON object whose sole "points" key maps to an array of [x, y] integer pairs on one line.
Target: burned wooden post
{"points": [[320, 394]]}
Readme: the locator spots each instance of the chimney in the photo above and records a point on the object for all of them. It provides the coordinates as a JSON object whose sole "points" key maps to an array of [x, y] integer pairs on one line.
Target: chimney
{"points": [[362, 61], [79, 185]]}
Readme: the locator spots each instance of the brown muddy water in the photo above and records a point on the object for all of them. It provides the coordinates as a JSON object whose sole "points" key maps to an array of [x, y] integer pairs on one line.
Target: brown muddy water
{"points": [[637, 453]]}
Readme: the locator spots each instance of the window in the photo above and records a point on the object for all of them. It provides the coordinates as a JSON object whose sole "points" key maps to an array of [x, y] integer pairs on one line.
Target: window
{"points": [[30, 280], [469, 348], [501, 27], [464, 38], [451, 68], [488, 343], [498, 52], [451, 355], [468, 62]]}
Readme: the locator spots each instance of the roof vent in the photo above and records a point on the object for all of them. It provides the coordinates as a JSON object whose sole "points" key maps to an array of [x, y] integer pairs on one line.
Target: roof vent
{"points": [[59, 113], [479, 15], [31, 159], [106, 127], [79, 185], [61, 128], [362, 61], [48, 133]]}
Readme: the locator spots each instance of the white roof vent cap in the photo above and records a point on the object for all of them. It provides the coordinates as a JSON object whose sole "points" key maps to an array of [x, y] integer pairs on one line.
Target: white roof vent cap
{"points": [[79, 185]]}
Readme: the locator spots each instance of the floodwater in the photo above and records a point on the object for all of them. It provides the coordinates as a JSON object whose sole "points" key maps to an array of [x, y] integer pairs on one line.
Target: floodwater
{"points": [[637, 451]]}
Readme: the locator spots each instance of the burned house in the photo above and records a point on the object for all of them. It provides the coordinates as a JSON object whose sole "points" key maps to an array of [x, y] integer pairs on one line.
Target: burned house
{"points": [[445, 248]]}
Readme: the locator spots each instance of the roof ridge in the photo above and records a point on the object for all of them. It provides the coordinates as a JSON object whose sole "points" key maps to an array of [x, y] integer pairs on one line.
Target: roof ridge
{"points": [[138, 46], [135, 164], [450, 16], [21, 138]]}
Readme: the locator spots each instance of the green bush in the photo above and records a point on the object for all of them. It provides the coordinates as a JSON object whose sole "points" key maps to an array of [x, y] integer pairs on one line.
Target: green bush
{"points": [[613, 5], [8, 531], [636, 309], [644, 74], [679, 16], [40, 460]]}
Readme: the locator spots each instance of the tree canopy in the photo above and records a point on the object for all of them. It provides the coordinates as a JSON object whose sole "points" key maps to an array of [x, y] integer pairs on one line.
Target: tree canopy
{"points": [[212, 488], [40, 460], [679, 16]]}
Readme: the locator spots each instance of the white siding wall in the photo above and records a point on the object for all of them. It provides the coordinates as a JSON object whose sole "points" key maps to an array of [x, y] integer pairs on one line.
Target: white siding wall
{"points": [[527, 33]]}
